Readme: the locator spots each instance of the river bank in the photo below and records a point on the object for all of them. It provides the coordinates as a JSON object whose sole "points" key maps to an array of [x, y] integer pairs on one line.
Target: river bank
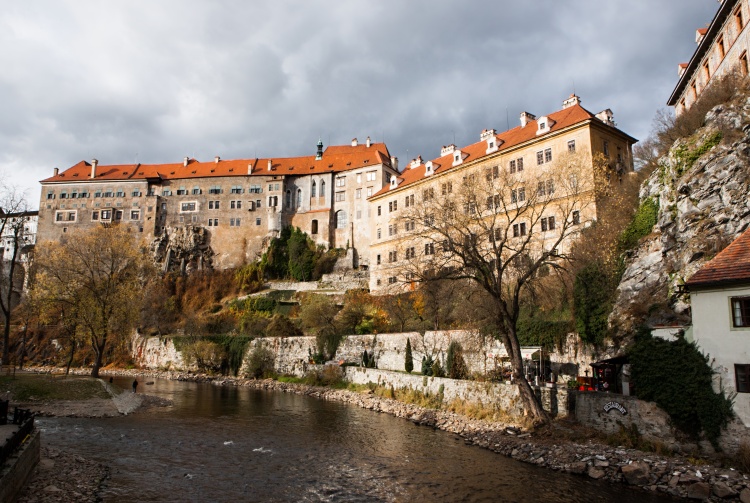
{"points": [[558, 447]]}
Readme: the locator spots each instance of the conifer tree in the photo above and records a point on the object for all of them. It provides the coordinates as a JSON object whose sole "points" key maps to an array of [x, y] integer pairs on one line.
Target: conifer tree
{"points": [[408, 358]]}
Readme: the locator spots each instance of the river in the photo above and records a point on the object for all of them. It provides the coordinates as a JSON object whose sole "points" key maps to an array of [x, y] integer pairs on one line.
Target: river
{"points": [[237, 444]]}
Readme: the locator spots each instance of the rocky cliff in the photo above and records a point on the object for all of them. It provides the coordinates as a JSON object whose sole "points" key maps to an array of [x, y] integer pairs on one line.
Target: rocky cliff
{"points": [[702, 189], [183, 249]]}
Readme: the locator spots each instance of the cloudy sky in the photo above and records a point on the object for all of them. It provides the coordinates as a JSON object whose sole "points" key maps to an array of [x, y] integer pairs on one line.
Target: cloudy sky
{"points": [[153, 81]]}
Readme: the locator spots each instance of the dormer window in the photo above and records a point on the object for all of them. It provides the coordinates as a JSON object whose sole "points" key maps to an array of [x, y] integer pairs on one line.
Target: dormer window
{"points": [[543, 125], [492, 144], [394, 182], [458, 158], [428, 168]]}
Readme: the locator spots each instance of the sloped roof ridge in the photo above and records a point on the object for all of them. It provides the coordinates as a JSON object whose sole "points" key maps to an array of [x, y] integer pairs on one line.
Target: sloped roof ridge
{"points": [[731, 265]]}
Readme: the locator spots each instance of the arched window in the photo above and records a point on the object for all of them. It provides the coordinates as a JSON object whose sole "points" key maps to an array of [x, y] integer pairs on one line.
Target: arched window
{"points": [[313, 191], [323, 190], [289, 199], [340, 219], [314, 229], [299, 198]]}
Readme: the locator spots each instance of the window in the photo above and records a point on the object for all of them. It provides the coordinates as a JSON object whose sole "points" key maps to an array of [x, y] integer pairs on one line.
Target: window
{"points": [[742, 373], [288, 198], [429, 220], [377, 260], [429, 248], [540, 157], [94, 215], [540, 189], [409, 200], [340, 181], [497, 234], [512, 166], [369, 191], [519, 229], [314, 227], [257, 221], [213, 205], [720, 46], [446, 188], [492, 173], [410, 253], [548, 224], [518, 195], [359, 177], [706, 70], [215, 189], [234, 222], [428, 194], [165, 192], [371, 175], [314, 189], [59, 217], [410, 225], [135, 215], [120, 193], [392, 256], [519, 164], [547, 155], [213, 222], [606, 148], [235, 205], [741, 311], [255, 189], [572, 146], [135, 193], [359, 214], [576, 217], [738, 19], [196, 191], [50, 195], [106, 214], [392, 206], [340, 196], [378, 233], [299, 198], [181, 191], [391, 280], [358, 194], [550, 187], [340, 217], [188, 206], [743, 63], [379, 212]]}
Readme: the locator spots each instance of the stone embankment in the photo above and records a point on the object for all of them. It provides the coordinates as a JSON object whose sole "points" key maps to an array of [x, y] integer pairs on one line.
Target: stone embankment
{"points": [[675, 476]]}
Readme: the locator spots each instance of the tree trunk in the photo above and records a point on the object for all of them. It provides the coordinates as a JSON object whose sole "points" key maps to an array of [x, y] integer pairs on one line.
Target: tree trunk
{"points": [[70, 358], [531, 403], [23, 346], [7, 306], [99, 354]]}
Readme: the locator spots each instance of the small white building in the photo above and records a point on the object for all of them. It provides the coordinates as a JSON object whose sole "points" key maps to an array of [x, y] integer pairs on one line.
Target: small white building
{"points": [[720, 300]]}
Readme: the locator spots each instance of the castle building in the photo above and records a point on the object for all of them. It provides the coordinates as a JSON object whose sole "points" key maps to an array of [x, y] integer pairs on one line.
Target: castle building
{"points": [[722, 49], [515, 179], [236, 205]]}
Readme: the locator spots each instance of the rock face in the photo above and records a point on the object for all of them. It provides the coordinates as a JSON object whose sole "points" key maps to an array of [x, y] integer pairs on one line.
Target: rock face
{"points": [[183, 249], [702, 208]]}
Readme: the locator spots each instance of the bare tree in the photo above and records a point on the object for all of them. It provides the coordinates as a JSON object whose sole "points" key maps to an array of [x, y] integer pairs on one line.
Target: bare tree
{"points": [[13, 233], [501, 231]]}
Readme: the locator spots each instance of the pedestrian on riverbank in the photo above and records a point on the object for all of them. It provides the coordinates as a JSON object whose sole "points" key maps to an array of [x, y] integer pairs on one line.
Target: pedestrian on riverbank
{"points": [[135, 385]]}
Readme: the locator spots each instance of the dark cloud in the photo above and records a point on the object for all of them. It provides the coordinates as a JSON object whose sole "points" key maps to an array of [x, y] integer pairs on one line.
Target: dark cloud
{"points": [[155, 81]]}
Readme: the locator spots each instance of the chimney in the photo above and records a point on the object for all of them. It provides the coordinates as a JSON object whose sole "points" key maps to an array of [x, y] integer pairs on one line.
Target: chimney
{"points": [[57, 171], [394, 163], [487, 133], [607, 117], [526, 117], [217, 159], [249, 169], [571, 101], [354, 142], [447, 150], [319, 154], [94, 162], [185, 161], [416, 162], [368, 142], [270, 164]]}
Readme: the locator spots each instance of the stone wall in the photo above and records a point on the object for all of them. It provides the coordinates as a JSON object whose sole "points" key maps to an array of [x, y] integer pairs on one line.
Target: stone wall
{"points": [[17, 470], [292, 354], [503, 397]]}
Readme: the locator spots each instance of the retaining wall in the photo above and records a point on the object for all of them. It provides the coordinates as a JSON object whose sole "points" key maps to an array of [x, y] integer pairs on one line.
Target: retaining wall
{"points": [[16, 471]]}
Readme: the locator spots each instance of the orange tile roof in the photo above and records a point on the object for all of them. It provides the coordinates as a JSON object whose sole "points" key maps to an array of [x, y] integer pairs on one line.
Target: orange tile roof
{"points": [[562, 119], [335, 159], [731, 265]]}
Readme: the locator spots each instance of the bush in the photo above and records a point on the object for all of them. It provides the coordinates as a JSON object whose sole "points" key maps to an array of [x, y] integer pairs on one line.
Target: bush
{"points": [[677, 376], [427, 363], [593, 296], [437, 369], [455, 364], [281, 326], [408, 357], [261, 362], [643, 222]]}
